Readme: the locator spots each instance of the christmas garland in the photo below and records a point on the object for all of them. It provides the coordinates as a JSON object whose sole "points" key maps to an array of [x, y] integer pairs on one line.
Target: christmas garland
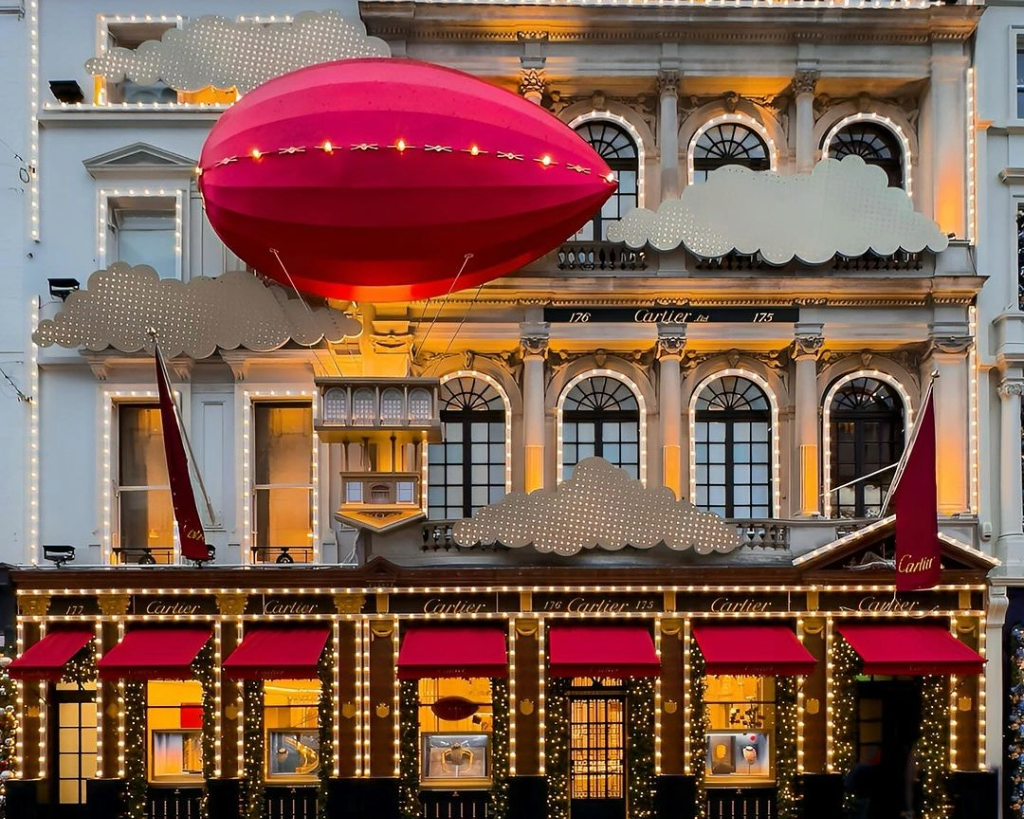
{"points": [[786, 750], [500, 744], [556, 746], [640, 750], [8, 728], [81, 668], [325, 726], [252, 738], [698, 726], [204, 671], [845, 667], [136, 785], [409, 749], [1015, 725], [932, 747]]}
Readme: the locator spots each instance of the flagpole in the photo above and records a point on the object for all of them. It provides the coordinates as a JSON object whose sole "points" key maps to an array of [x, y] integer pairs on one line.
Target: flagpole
{"points": [[902, 463], [181, 428]]}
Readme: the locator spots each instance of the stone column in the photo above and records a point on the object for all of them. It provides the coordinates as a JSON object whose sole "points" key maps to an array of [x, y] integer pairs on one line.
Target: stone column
{"points": [[1010, 542], [951, 395], [804, 84], [805, 497], [947, 93], [669, 352], [668, 132], [534, 348]]}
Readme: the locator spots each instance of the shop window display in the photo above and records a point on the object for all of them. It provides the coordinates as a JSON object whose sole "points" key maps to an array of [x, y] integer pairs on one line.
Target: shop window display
{"points": [[741, 717], [175, 725], [456, 719], [292, 749]]}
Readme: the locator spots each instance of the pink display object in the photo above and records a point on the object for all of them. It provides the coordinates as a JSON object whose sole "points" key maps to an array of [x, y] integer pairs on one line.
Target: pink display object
{"points": [[374, 179]]}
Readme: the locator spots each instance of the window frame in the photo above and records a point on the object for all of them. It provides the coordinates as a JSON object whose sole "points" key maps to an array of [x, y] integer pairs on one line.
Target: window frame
{"points": [[731, 417], [598, 223], [1015, 82], [162, 201], [882, 122], [742, 120], [466, 418], [599, 416]]}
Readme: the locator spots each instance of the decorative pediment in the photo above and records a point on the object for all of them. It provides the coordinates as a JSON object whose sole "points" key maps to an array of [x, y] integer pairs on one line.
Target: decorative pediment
{"points": [[138, 161], [870, 551]]}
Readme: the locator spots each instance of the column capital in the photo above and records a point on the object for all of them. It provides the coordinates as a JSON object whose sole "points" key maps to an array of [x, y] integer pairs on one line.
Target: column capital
{"points": [[668, 82], [1010, 387], [805, 80], [671, 342], [532, 84], [952, 345], [534, 338], [808, 341]]}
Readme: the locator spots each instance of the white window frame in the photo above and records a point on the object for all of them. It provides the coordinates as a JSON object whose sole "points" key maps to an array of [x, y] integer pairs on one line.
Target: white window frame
{"points": [[162, 196]]}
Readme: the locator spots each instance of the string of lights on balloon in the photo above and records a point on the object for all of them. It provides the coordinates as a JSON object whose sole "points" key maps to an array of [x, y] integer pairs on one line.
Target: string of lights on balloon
{"points": [[401, 146]]}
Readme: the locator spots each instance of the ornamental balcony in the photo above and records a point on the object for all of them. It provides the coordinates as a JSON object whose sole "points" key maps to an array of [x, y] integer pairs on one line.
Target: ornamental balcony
{"points": [[356, 409], [379, 500]]}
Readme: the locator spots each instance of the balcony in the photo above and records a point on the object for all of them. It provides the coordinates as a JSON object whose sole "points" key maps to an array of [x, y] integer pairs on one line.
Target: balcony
{"points": [[351, 409], [600, 256], [379, 500]]}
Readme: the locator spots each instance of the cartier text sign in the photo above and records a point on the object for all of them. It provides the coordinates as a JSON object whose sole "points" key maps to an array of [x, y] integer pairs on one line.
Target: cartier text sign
{"points": [[670, 315]]}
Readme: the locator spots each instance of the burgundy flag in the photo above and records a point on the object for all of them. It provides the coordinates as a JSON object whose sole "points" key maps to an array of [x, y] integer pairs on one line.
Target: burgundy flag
{"points": [[183, 499], [915, 503]]}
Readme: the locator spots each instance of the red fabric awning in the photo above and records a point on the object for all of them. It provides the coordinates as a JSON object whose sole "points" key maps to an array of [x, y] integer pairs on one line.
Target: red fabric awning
{"points": [[753, 650], [602, 651], [47, 658], [911, 648], [452, 652], [278, 654], [154, 654]]}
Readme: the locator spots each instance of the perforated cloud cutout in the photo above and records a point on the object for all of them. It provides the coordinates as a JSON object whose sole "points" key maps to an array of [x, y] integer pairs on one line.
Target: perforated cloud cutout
{"points": [[842, 208], [122, 303], [599, 506], [215, 51]]}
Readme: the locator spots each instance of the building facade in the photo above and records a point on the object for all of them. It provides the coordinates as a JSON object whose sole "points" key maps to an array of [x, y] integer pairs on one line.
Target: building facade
{"points": [[391, 619]]}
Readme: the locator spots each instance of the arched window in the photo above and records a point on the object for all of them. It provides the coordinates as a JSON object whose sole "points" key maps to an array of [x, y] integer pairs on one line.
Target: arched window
{"points": [[872, 142], [866, 431], [731, 143], [601, 416], [617, 148], [733, 449], [467, 470], [336, 406]]}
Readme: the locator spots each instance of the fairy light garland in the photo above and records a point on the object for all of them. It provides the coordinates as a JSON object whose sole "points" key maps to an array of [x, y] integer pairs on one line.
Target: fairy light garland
{"points": [[697, 725], [252, 736], [1015, 723], [787, 804], [136, 785], [409, 732], [931, 749], [325, 723], [500, 747], [556, 733], [640, 748]]}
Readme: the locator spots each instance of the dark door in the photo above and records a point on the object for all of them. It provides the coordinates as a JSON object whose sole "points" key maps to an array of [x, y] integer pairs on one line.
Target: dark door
{"points": [[73, 740], [888, 726], [597, 756]]}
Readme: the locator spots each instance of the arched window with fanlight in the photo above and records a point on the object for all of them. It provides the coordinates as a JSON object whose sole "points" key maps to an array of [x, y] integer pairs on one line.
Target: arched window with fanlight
{"points": [[866, 431], [467, 470], [733, 442], [619, 150], [872, 142], [601, 417], [728, 143]]}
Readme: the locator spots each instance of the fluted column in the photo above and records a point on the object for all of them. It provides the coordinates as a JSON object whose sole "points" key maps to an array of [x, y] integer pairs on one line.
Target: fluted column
{"points": [[534, 347], [668, 132], [1010, 543], [669, 351], [804, 84], [805, 496], [952, 418]]}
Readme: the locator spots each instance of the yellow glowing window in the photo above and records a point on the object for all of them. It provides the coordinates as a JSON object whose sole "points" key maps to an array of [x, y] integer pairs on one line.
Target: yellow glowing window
{"points": [[292, 750], [175, 727]]}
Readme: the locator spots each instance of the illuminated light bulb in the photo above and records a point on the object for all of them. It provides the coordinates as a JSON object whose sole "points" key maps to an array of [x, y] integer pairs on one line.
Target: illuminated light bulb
{"points": [[400, 145], [474, 151], [328, 148], [256, 154], [611, 177], [545, 160]]}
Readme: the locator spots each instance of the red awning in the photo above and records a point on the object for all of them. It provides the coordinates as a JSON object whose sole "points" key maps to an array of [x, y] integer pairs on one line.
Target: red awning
{"points": [[753, 650], [911, 648], [47, 658], [452, 652], [278, 654], [602, 651], [154, 654]]}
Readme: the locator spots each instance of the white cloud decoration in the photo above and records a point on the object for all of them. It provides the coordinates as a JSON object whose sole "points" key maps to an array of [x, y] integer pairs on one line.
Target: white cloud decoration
{"points": [[840, 207], [227, 54], [600, 505], [122, 303]]}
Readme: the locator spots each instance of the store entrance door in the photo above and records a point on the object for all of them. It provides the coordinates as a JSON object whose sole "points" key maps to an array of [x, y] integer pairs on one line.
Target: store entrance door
{"points": [[597, 756], [888, 727], [73, 739]]}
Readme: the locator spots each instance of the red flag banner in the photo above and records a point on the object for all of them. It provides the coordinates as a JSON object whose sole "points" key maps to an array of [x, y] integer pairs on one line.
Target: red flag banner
{"points": [[183, 498], [915, 502]]}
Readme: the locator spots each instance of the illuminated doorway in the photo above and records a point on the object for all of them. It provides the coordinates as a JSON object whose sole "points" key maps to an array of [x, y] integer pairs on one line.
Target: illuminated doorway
{"points": [[597, 751]]}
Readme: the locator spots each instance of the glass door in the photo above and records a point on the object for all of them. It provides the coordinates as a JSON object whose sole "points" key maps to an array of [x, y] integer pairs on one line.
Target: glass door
{"points": [[74, 742], [597, 756]]}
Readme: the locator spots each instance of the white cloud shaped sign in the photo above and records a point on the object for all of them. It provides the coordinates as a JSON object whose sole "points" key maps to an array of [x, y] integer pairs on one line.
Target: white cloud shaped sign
{"points": [[842, 208], [600, 505], [215, 51], [122, 303]]}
